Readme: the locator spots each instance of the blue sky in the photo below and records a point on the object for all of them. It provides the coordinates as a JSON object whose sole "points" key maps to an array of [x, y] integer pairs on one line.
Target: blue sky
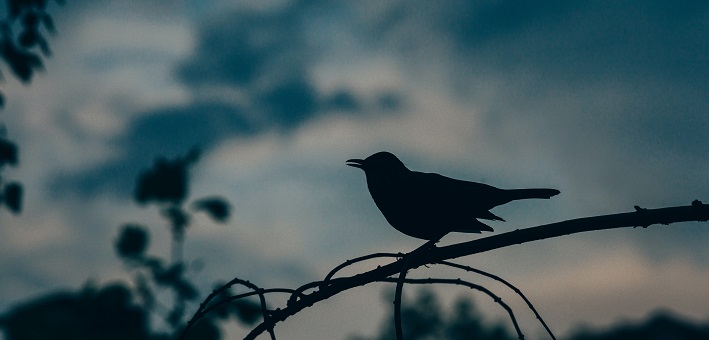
{"points": [[604, 100]]}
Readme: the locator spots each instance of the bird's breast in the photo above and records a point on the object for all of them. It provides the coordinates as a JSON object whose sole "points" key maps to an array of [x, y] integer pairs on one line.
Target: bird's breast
{"points": [[398, 202]]}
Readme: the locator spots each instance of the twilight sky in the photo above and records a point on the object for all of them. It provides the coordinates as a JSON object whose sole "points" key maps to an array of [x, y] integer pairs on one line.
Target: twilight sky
{"points": [[604, 100]]}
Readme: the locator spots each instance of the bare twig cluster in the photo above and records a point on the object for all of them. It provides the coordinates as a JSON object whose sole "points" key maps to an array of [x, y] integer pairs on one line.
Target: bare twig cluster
{"points": [[314, 292]]}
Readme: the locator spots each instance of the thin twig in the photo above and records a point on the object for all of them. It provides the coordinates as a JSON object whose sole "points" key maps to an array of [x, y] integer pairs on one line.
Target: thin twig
{"points": [[233, 298], [328, 278], [300, 291], [400, 284], [202, 310], [397, 298], [264, 311], [471, 285], [503, 281], [494, 297]]}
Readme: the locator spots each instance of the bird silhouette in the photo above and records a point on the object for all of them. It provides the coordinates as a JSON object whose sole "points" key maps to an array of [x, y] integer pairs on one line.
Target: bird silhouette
{"points": [[428, 205]]}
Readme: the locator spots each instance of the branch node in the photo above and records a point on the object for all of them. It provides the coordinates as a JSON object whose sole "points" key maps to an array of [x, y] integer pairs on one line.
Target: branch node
{"points": [[698, 205]]}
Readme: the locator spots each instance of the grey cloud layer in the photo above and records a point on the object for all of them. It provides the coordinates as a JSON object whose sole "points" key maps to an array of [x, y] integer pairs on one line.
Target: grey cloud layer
{"points": [[608, 88], [619, 74], [249, 73]]}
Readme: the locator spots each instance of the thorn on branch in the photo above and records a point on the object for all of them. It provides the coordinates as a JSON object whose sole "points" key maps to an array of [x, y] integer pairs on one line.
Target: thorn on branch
{"points": [[641, 211]]}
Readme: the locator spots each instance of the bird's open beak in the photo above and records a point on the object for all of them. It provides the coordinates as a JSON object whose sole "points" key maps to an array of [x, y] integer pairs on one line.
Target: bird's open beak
{"points": [[357, 163]]}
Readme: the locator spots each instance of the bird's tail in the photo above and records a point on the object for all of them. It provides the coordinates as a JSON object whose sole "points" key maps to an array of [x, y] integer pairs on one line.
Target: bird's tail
{"points": [[520, 194]]}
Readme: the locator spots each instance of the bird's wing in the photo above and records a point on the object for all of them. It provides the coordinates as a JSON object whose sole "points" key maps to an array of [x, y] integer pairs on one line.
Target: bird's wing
{"points": [[465, 190], [456, 195]]}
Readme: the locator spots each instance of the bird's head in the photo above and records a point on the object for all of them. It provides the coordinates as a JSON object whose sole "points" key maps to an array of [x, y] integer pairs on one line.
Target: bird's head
{"points": [[378, 163]]}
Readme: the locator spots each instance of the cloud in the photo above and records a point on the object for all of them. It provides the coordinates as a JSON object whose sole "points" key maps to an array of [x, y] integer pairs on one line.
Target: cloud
{"points": [[655, 50], [581, 40], [168, 132], [239, 49], [250, 72]]}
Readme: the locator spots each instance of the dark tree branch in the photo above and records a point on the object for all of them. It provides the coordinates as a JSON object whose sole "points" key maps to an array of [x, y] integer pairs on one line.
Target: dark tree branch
{"points": [[204, 309], [202, 312], [397, 299], [400, 283], [640, 218], [356, 260], [264, 311]]}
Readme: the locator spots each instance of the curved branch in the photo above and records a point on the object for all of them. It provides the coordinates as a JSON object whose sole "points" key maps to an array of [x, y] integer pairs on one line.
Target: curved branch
{"points": [[641, 218], [356, 260], [397, 299], [199, 314], [328, 278], [400, 283], [470, 285], [300, 291], [202, 310], [264, 312], [503, 281], [224, 287]]}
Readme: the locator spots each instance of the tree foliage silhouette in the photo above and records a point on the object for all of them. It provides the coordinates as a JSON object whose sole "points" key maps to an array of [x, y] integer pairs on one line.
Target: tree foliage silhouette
{"points": [[425, 318], [23, 40], [10, 193], [660, 326], [123, 311], [166, 185], [19, 52]]}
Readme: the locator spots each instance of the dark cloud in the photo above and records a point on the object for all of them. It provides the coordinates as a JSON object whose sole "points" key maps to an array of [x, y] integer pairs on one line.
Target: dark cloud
{"points": [[480, 23], [169, 132], [586, 39], [262, 58], [343, 101], [390, 101], [245, 47], [647, 59], [289, 104], [174, 130], [263, 54], [269, 56]]}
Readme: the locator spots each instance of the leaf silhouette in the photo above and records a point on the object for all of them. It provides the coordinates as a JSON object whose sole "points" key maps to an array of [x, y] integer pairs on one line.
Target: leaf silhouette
{"points": [[216, 207]]}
